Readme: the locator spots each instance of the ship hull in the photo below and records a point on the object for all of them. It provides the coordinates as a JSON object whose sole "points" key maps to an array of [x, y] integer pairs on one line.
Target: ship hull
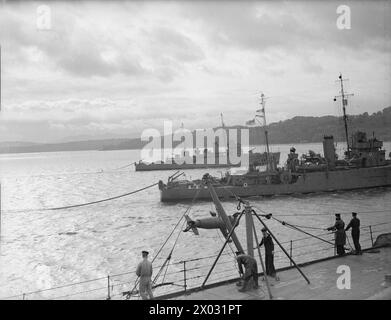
{"points": [[322, 181], [174, 166], [260, 159]]}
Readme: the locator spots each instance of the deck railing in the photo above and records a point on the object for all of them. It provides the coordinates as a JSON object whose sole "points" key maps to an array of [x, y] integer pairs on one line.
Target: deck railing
{"points": [[185, 275]]}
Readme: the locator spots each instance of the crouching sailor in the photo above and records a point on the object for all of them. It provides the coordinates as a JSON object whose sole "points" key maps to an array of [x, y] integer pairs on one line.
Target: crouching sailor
{"points": [[251, 272], [144, 271], [355, 225]]}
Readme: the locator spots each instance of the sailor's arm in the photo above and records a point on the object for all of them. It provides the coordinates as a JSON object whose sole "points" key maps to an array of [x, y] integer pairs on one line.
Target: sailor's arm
{"points": [[348, 226], [138, 269]]}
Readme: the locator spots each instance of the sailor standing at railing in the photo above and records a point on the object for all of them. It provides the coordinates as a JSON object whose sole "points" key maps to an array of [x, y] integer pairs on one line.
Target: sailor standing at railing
{"points": [[355, 225], [340, 234], [144, 271], [267, 241]]}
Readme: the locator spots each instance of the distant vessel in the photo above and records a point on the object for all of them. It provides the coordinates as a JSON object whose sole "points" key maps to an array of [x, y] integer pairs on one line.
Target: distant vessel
{"points": [[209, 159], [364, 166], [200, 161]]}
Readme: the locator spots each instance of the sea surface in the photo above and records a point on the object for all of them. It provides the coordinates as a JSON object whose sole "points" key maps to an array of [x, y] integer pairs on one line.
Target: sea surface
{"points": [[42, 249]]}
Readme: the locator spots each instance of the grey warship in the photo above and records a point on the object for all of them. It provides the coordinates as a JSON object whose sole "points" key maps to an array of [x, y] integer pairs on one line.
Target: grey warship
{"points": [[364, 166]]}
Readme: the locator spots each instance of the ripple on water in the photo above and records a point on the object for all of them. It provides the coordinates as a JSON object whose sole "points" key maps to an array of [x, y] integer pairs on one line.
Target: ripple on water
{"points": [[92, 241]]}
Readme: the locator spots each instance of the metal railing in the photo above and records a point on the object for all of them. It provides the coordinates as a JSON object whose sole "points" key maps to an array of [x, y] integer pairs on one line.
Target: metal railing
{"points": [[188, 274]]}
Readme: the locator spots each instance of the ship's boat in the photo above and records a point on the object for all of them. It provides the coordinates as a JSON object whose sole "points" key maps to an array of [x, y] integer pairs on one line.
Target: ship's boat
{"points": [[364, 166]]}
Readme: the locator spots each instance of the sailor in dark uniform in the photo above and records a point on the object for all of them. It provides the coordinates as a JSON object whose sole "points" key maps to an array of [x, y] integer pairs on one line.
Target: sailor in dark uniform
{"points": [[269, 253], [251, 272], [355, 225], [340, 235]]}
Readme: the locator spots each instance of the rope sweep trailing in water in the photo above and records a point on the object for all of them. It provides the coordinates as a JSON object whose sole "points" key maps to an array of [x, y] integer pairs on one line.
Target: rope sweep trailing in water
{"points": [[87, 203]]}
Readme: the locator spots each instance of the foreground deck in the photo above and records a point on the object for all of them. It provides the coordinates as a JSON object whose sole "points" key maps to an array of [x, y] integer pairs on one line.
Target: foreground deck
{"points": [[368, 273]]}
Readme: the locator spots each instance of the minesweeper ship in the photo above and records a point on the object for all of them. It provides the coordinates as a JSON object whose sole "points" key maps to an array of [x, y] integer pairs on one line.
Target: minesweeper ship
{"points": [[200, 161], [364, 166]]}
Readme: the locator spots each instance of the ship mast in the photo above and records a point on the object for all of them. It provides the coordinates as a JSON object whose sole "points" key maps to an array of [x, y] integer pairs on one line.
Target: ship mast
{"points": [[344, 97], [222, 120], [263, 115]]}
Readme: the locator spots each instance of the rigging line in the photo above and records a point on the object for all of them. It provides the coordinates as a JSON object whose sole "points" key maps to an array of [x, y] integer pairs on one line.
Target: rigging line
{"points": [[128, 165], [88, 203], [307, 233], [172, 250], [307, 227], [329, 214], [233, 252], [129, 293], [189, 207]]}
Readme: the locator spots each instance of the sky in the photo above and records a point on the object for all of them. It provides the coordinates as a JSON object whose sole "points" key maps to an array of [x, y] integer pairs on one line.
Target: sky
{"points": [[112, 69]]}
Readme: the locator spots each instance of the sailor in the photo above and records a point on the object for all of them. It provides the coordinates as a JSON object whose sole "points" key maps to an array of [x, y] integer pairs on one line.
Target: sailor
{"points": [[144, 271], [251, 272], [355, 225], [292, 161], [340, 235], [269, 253]]}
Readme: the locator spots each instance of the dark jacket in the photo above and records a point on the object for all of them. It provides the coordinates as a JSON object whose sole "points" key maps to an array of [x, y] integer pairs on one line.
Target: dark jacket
{"points": [[340, 235], [249, 263], [354, 224], [268, 242]]}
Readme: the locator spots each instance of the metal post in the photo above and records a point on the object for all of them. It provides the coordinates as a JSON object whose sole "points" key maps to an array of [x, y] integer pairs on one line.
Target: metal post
{"points": [[249, 231], [282, 248], [184, 276], [0, 212], [370, 230], [24, 296], [263, 266], [224, 216], [222, 249], [108, 288], [290, 253]]}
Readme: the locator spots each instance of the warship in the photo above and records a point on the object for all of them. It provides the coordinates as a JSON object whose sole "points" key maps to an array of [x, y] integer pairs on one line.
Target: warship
{"points": [[200, 161], [205, 158], [364, 166]]}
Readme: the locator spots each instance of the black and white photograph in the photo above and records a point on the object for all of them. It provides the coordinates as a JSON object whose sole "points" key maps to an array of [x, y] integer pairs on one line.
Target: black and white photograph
{"points": [[199, 154]]}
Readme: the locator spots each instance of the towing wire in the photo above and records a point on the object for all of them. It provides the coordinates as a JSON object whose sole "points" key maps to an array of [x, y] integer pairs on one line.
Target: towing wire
{"points": [[128, 294]]}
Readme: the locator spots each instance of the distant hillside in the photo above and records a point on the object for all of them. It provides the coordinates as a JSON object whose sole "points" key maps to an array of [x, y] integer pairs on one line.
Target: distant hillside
{"points": [[312, 129], [295, 130]]}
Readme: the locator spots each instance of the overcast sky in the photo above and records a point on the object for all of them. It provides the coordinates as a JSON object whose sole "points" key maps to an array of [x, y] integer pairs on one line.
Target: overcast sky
{"points": [[111, 69]]}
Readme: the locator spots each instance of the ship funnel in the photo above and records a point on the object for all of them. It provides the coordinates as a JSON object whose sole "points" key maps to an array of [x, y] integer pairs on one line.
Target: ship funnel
{"points": [[329, 150]]}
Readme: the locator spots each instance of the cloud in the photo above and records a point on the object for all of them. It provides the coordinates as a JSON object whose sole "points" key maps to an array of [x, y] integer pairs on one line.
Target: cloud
{"points": [[123, 66]]}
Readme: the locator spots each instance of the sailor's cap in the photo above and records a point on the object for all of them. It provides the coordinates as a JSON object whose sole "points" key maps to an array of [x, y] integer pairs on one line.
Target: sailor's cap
{"points": [[144, 252], [338, 215]]}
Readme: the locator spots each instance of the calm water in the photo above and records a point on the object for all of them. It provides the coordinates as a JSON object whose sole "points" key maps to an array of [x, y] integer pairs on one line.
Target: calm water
{"points": [[42, 249]]}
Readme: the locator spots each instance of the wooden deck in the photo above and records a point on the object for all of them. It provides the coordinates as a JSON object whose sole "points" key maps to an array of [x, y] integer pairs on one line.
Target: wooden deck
{"points": [[367, 281]]}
